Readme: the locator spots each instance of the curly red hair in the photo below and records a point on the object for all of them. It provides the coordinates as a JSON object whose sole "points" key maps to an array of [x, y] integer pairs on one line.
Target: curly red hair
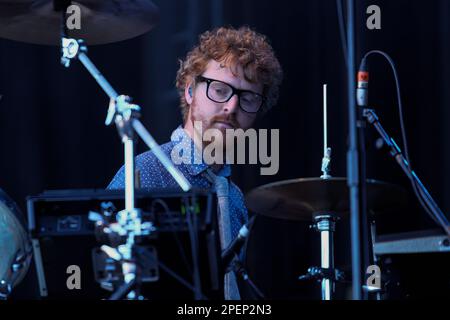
{"points": [[233, 47]]}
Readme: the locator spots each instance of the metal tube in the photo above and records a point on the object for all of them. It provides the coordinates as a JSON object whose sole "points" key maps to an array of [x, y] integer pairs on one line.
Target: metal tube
{"points": [[326, 259], [129, 174], [101, 80], [325, 225], [159, 153], [325, 237]]}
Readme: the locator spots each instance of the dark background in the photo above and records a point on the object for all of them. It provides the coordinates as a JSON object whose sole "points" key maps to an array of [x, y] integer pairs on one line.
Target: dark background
{"points": [[52, 132]]}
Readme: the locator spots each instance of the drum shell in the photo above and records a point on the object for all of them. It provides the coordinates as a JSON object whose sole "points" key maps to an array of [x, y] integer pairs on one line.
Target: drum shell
{"points": [[15, 242], [278, 251]]}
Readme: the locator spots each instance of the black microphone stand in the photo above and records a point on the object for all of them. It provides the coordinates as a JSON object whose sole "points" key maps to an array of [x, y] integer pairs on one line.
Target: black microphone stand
{"points": [[354, 181], [396, 153]]}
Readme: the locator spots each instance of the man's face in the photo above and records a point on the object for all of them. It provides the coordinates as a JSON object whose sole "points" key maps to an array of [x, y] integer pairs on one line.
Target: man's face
{"points": [[222, 116]]}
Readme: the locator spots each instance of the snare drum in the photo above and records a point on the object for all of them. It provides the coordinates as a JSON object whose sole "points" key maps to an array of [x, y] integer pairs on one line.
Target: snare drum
{"points": [[15, 246]]}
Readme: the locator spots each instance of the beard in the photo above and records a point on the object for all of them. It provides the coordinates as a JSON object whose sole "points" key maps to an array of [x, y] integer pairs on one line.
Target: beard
{"points": [[212, 122], [216, 123]]}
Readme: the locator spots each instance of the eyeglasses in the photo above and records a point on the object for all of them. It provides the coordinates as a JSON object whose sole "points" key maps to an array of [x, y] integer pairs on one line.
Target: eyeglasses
{"points": [[219, 91]]}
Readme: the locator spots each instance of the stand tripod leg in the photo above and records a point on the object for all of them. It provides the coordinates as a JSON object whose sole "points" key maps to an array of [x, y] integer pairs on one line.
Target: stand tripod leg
{"points": [[123, 290]]}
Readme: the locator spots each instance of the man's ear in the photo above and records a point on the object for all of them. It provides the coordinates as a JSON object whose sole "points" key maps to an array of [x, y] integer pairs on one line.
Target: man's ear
{"points": [[188, 93]]}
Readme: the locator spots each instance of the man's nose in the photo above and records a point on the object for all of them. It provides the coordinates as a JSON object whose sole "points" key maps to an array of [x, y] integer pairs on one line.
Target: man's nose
{"points": [[232, 105]]}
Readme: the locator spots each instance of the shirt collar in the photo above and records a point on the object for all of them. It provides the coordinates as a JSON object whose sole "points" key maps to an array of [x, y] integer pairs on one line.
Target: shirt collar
{"points": [[182, 141]]}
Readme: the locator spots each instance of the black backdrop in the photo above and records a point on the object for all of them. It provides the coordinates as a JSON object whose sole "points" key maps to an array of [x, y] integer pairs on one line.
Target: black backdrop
{"points": [[52, 134]]}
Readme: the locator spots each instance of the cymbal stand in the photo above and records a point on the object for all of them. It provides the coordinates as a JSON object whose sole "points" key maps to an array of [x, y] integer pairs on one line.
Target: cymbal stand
{"points": [[125, 117], [325, 223]]}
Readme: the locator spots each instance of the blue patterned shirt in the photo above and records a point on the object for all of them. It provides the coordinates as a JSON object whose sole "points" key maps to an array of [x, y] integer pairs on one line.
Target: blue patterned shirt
{"points": [[154, 175]]}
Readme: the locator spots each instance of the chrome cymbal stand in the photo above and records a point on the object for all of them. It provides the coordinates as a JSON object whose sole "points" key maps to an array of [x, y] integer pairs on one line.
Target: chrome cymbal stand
{"points": [[325, 223], [125, 116]]}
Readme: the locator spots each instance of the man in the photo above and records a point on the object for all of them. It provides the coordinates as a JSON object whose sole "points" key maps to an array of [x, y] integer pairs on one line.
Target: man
{"points": [[225, 82]]}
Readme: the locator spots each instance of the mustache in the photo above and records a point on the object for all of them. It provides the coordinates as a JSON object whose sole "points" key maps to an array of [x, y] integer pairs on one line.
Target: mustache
{"points": [[227, 119]]}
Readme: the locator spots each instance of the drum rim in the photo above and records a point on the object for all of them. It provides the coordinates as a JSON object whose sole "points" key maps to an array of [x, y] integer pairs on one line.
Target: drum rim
{"points": [[14, 208], [26, 244]]}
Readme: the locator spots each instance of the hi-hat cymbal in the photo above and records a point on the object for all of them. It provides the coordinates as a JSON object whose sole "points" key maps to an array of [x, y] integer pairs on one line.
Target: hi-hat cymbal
{"points": [[101, 21], [300, 199]]}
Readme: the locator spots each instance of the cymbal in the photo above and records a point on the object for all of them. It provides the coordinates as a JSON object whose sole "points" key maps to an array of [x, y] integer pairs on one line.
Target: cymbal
{"points": [[300, 199], [101, 21]]}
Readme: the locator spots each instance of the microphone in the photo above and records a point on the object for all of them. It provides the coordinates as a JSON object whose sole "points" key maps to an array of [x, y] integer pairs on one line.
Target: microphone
{"points": [[236, 245], [362, 90]]}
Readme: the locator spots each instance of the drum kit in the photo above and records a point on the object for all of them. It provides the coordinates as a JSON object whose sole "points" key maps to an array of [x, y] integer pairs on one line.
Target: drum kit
{"points": [[15, 246], [324, 201]]}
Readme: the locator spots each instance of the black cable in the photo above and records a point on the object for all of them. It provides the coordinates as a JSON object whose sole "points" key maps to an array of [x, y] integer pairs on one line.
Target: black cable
{"points": [[164, 205], [172, 273], [417, 190], [402, 125], [180, 279], [192, 226], [190, 229], [399, 100]]}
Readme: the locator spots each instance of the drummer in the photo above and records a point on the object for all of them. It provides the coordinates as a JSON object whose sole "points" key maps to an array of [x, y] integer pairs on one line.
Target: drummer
{"points": [[225, 82]]}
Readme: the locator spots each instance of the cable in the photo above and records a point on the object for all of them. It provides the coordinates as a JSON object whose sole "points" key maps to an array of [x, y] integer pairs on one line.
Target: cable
{"points": [[191, 218], [173, 274], [194, 244], [402, 125], [164, 205], [180, 279], [423, 198]]}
